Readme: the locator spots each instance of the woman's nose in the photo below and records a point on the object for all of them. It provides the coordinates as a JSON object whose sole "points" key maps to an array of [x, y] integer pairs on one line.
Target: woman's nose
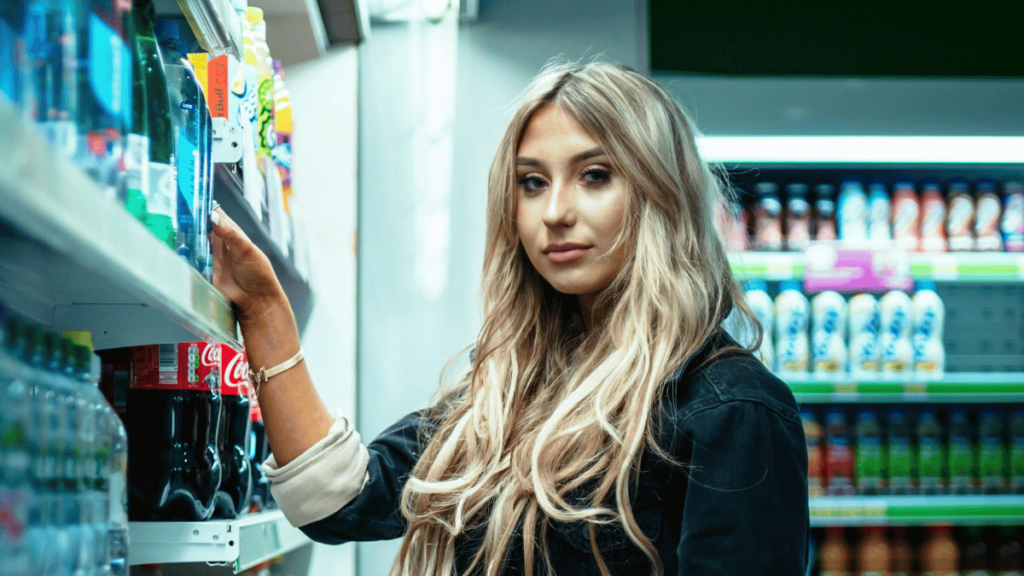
{"points": [[561, 206]]}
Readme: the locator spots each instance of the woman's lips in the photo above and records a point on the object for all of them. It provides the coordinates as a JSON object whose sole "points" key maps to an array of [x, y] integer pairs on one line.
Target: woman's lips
{"points": [[566, 255]]}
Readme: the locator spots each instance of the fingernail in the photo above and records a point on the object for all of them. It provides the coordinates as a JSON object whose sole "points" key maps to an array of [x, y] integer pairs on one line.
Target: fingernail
{"points": [[215, 206], [215, 218]]}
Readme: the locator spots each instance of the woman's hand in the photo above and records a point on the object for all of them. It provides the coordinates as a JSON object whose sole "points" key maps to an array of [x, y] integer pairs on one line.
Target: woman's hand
{"points": [[242, 272]]}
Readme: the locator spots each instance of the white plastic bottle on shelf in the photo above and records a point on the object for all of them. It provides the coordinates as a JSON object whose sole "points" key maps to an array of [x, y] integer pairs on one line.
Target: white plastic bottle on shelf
{"points": [[852, 214], [792, 349], [863, 328], [828, 333], [929, 319], [763, 307], [879, 215], [895, 312]]}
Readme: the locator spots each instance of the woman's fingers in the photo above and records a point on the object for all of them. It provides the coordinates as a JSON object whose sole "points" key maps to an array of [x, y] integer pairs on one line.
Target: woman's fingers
{"points": [[226, 229]]}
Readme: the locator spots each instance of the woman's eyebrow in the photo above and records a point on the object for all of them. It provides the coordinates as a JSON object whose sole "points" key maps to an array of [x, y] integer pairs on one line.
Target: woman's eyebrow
{"points": [[576, 159]]}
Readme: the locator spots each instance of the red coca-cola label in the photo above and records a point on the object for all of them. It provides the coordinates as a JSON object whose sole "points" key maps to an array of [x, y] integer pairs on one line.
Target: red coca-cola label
{"points": [[255, 414], [236, 372], [184, 366]]}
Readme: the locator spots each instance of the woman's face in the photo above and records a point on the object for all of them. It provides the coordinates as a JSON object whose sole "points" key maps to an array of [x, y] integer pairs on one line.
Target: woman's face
{"points": [[569, 205]]}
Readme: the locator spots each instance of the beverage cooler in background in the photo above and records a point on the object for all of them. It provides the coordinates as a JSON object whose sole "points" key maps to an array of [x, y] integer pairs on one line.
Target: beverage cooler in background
{"points": [[891, 300]]}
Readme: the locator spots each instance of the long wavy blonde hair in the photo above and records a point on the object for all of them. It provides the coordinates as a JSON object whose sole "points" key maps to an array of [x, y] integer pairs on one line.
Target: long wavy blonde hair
{"points": [[547, 407]]}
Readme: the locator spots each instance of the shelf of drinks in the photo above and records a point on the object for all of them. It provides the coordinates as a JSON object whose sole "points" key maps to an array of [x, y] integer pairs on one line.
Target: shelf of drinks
{"points": [[863, 150], [228, 192], [948, 267], [958, 387], [73, 259], [241, 543], [214, 23], [963, 510]]}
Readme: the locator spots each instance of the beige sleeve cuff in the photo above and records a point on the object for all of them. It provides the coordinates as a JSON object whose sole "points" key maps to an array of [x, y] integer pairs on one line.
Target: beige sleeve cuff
{"points": [[324, 478]]}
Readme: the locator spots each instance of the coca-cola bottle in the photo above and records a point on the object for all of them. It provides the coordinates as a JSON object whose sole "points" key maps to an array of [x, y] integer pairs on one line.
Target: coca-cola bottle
{"points": [[259, 450], [235, 491], [173, 412]]}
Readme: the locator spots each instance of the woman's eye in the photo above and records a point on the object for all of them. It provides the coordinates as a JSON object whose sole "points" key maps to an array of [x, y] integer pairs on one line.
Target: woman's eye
{"points": [[531, 183], [596, 176]]}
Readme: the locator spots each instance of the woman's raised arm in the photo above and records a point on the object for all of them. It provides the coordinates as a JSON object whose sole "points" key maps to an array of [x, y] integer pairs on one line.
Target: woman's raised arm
{"points": [[293, 412]]}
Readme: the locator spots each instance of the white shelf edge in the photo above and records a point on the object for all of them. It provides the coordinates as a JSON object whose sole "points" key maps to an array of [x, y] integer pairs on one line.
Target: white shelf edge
{"points": [[863, 149], [50, 200], [243, 542]]}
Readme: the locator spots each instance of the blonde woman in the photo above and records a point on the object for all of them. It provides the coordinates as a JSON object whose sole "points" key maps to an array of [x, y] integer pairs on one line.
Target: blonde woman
{"points": [[606, 424]]}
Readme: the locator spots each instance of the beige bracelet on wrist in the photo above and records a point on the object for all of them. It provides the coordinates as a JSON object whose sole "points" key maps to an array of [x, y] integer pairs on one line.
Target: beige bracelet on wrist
{"points": [[264, 374]]}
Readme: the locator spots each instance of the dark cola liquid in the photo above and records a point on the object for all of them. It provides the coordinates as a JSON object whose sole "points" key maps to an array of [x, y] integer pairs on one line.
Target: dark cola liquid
{"points": [[235, 492], [174, 469], [260, 450]]}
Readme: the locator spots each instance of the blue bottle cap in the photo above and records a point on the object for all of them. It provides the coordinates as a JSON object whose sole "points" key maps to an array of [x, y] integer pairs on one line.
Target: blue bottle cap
{"points": [[167, 29], [924, 285], [865, 411], [789, 285], [853, 180], [755, 285], [926, 410]]}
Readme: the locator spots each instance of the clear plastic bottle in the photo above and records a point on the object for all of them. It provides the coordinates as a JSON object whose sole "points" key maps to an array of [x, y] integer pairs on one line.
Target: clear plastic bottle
{"points": [[879, 215], [51, 43], [16, 489], [852, 216], [162, 196], [900, 456], [188, 108], [962, 463], [1016, 456], [12, 23], [839, 456], [868, 469], [992, 452], [930, 454]]}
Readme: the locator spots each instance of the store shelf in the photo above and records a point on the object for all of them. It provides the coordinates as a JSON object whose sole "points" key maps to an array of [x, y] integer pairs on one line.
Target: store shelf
{"points": [[917, 510], [213, 22], [948, 267], [850, 150], [228, 191], [73, 259], [242, 543], [966, 387]]}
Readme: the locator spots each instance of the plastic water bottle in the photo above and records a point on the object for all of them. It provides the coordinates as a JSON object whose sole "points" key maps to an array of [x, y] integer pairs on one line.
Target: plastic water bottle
{"points": [[930, 455], [791, 340], [929, 317], [187, 104], [162, 196], [864, 325], [16, 490], [51, 44], [104, 89], [869, 459], [828, 336], [962, 463], [12, 22], [992, 452], [899, 452]]}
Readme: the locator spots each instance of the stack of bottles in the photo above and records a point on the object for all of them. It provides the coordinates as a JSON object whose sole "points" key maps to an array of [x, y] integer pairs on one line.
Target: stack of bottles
{"points": [[891, 337], [932, 550], [117, 92], [902, 450], [64, 455], [195, 433], [927, 216]]}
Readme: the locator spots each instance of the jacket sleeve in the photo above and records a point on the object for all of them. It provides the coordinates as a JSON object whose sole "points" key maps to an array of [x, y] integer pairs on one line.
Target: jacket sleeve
{"points": [[745, 510], [374, 513]]}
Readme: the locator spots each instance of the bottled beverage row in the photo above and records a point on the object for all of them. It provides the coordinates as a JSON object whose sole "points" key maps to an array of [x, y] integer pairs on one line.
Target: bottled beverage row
{"points": [[63, 458], [932, 550], [893, 336], [195, 430], [903, 450], [928, 216], [116, 91]]}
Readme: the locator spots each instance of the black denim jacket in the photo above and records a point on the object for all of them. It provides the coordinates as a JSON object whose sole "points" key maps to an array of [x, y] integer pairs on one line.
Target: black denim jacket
{"points": [[738, 508]]}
